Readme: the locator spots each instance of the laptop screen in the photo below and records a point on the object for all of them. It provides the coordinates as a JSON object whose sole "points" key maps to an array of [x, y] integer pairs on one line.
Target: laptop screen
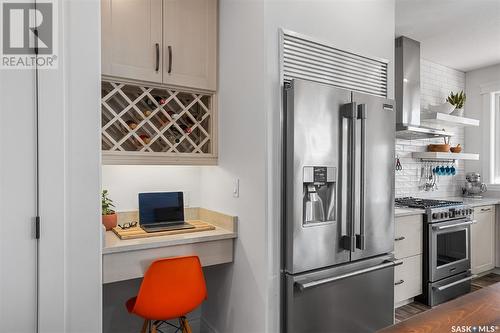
{"points": [[161, 207]]}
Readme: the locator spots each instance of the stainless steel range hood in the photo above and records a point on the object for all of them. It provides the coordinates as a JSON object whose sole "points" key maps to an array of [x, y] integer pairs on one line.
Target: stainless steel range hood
{"points": [[407, 88]]}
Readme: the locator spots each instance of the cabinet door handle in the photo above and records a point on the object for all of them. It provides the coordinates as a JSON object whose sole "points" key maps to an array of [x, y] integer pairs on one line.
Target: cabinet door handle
{"points": [[399, 282], [169, 59], [485, 209], [400, 238], [157, 67]]}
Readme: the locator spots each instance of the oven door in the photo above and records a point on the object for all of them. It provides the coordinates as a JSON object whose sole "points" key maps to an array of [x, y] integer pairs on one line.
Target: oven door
{"points": [[449, 248]]}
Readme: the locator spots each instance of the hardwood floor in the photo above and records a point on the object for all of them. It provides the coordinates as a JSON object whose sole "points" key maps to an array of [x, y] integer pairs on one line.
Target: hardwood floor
{"points": [[478, 311], [407, 311]]}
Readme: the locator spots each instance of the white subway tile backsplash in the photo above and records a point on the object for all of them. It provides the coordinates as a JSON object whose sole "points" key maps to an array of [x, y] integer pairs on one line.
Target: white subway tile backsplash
{"points": [[436, 83]]}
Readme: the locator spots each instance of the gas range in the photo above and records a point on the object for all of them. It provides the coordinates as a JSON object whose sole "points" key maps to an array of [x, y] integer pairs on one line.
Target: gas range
{"points": [[437, 210], [446, 248]]}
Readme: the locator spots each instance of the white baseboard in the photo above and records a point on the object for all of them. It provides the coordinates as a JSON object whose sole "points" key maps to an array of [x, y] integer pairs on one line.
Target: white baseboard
{"points": [[206, 327], [402, 303]]}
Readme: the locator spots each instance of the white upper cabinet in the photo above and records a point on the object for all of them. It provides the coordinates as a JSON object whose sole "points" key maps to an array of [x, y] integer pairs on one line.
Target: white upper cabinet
{"points": [[165, 41], [190, 43], [132, 39]]}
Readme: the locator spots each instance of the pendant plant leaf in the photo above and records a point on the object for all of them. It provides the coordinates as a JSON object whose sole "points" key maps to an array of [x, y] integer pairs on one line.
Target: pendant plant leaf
{"points": [[458, 99], [107, 204]]}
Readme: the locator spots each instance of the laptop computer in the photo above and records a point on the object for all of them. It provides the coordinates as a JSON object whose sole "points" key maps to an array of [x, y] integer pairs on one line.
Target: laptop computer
{"points": [[162, 211]]}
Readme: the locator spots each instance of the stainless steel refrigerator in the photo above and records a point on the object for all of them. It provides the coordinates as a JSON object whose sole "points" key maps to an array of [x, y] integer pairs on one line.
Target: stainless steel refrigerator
{"points": [[338, 217]]}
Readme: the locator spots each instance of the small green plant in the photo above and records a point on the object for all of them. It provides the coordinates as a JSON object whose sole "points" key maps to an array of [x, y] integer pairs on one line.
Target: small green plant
{"points": [[107, 204], [458, 99]]}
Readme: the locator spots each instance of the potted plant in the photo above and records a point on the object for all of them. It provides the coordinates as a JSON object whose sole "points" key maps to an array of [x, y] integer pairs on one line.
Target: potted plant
{"points": [[457, 100], [109, 218]]}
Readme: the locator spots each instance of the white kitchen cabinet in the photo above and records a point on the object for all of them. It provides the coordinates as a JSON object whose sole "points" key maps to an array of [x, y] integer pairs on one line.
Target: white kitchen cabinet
{"points": [[483, 240], [190, 43], [408, 279], [132, 39], [408, 233], [171, 42], [408, 247]]}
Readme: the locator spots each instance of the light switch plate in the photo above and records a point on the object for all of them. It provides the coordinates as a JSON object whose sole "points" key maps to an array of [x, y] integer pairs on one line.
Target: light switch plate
{"points": [[236, 188]]}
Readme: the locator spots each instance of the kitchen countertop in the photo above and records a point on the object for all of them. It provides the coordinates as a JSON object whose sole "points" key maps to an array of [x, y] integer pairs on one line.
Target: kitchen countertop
{"points": [[113, 244], [225, 228], [399, 212], [476, 202], [473, 202]]}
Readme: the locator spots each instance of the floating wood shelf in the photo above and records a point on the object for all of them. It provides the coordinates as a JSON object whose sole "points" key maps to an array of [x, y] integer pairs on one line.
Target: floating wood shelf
{"points": [[443, 119], [445, 156]]}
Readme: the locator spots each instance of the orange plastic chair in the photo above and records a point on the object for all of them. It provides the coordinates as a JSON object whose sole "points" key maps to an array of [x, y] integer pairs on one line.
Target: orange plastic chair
{"points": [[171, 288]]}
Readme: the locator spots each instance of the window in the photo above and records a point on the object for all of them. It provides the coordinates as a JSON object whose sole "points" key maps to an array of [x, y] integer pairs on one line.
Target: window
{"points": [[495, 137]]}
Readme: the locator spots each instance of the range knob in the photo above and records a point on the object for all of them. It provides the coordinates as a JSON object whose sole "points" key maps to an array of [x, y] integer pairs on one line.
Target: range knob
{"points": [[435, 216], [445, 214]]}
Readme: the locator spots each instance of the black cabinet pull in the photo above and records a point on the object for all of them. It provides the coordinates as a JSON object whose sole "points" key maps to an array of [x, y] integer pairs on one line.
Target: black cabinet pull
{"points": [[169, 59], [399, 282], [157, 68]]}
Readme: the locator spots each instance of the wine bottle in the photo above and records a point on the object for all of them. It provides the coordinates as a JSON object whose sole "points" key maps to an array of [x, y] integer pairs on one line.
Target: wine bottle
{"points": [[131, 124], [145, 138], [158, 99]]}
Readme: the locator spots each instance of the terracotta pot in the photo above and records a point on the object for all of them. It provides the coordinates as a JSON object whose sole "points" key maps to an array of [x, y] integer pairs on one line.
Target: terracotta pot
{"points": [[109, 221]]}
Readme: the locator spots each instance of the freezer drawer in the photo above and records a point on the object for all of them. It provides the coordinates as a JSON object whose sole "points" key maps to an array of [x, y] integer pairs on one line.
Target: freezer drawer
{"points": [[356, 297]]}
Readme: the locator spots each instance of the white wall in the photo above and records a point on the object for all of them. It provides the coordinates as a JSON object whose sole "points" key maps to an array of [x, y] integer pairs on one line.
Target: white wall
{"points": [[237, 292], [243, 296], [436, 83], [124, 182], [477, 138]]}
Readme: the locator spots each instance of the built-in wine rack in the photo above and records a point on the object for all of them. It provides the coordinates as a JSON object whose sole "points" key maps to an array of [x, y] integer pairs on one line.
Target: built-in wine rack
{"points": [[150, 125]]}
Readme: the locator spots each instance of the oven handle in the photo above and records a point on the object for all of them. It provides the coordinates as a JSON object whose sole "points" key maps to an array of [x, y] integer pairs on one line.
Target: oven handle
{"points": [[314, 283], [453, 225], [449, 285]]}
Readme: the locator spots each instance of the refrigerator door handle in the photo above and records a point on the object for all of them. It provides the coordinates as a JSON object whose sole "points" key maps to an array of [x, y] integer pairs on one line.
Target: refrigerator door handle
{"points": [[360, 239], [349, 112], [306, 285]]}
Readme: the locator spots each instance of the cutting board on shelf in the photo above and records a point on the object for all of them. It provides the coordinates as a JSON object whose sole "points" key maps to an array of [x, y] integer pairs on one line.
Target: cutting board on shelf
{"points": [[138, 232]]}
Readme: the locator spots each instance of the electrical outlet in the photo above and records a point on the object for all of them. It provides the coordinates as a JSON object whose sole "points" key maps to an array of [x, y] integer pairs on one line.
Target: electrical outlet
{"points": [[236, 188]]}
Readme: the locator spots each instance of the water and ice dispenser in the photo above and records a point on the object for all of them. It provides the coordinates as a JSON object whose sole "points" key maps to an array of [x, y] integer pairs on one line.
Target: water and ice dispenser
{"points": [[319, 188]]}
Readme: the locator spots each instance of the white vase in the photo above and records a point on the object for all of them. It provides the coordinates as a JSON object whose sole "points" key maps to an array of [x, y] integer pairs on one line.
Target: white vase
{"points": [[458, 112]]}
